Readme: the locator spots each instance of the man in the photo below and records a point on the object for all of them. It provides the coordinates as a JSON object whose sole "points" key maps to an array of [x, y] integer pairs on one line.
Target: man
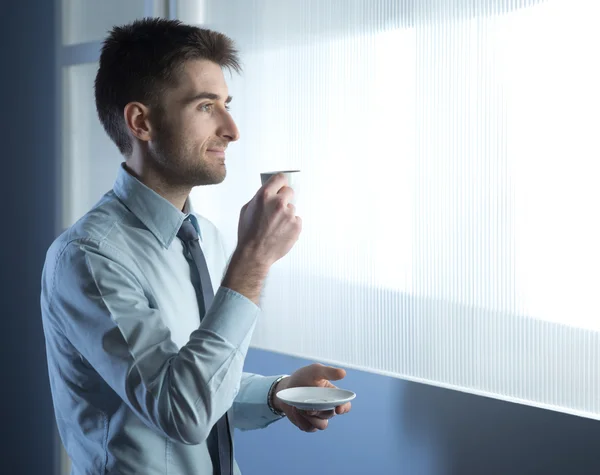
{"points": [[146, 331]]}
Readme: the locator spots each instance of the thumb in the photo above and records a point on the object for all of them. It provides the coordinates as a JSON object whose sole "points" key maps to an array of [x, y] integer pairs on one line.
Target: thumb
{"points": [[331, 373]]}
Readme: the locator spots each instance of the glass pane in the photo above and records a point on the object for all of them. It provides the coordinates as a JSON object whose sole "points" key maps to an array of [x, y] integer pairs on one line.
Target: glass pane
{"points": [[450, 232], [190, 11], [90, 158], [89, 20]]}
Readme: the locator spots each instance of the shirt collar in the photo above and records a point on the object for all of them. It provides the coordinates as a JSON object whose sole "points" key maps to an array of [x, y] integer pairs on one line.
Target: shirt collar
{"points": [[188, 211], [156, 213]]}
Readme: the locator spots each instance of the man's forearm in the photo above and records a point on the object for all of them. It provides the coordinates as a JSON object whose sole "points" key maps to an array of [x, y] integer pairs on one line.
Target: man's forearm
{"points": [[246, 275]]}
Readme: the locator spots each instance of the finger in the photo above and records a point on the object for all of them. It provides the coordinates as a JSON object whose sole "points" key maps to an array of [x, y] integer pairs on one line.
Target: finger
{"points": [[287, 194], [320, 424], [322, 414], [329, 372], [317, 423], [275, 183], [304, 425], [302, 422], [344, 408]]}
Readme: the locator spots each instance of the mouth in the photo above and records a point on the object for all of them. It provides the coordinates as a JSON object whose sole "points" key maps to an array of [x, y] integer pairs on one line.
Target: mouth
{"points": [[216, 152]]}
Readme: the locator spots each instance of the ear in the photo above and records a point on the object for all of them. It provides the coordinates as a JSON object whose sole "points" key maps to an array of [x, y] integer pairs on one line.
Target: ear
{"points": [[137, 118]]}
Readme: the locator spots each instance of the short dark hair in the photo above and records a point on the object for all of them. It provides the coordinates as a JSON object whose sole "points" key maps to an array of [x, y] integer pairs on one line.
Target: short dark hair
{"points": [[139, 60]]}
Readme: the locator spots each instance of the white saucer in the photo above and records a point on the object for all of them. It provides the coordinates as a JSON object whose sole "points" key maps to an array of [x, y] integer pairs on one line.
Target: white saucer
{"points": [[315, 399]]}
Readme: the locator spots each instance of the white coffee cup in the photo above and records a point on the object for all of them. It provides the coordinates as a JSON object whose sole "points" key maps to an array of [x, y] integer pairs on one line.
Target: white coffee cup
{"points": [[292, 177]]}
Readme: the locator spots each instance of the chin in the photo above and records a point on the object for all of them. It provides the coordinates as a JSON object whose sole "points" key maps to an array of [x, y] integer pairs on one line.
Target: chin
{"points": [[213, 178], [218, 180], [221, 174]]}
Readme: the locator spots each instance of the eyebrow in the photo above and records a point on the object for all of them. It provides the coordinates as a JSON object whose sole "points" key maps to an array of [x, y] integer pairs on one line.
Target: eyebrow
{"points": [[206, 95]]}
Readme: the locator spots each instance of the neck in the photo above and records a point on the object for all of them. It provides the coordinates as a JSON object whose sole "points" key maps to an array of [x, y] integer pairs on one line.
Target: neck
{"points": [[153, 179]]}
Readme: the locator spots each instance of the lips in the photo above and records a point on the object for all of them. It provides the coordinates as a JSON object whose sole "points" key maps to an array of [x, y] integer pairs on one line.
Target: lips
{"points": [[217, 152]]}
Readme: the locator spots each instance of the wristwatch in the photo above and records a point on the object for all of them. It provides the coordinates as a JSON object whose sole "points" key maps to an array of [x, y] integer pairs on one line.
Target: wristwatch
{"points": [[272, 393]]}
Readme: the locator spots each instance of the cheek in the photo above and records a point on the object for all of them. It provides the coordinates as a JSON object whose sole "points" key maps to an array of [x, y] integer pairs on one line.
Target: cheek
{"points": [[189, 139], [198, 130]]}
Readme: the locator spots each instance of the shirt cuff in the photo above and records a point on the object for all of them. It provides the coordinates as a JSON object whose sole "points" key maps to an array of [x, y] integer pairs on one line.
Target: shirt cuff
{"points": [[251, 402], [231, 315]]}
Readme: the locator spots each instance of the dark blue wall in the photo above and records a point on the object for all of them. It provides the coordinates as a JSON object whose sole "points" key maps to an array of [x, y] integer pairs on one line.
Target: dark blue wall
{"points": [[399, 427], [27, 217]]}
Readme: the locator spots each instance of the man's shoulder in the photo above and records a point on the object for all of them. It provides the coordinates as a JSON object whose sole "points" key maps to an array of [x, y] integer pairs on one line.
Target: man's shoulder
{"points": [[95, 227], [66, 257]]}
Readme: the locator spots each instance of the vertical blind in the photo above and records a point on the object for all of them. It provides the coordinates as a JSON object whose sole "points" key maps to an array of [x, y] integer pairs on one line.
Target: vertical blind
{"points": [[449, 161]]}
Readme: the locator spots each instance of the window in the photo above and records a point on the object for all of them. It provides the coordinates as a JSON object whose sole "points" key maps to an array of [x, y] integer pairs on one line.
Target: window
{"points": [[449, 181], [449, 187], [89, 20]]}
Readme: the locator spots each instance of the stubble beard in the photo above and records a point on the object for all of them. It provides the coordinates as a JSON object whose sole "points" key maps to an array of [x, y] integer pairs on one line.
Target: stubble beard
{"points": [[182, 166]]}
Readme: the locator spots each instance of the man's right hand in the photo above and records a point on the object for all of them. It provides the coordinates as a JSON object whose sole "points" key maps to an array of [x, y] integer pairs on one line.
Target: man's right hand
{"points": [[268, 228]]}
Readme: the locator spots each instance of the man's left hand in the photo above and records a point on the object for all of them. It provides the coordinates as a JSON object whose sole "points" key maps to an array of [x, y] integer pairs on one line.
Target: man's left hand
{"points": [[312, 375]]}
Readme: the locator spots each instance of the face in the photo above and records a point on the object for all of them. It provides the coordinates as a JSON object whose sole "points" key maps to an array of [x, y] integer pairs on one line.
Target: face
{"points": [[193, 127]]}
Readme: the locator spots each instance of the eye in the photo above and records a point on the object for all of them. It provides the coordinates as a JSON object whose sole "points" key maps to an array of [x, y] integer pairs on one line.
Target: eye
{"points": [[206, 108], [227, 107]]}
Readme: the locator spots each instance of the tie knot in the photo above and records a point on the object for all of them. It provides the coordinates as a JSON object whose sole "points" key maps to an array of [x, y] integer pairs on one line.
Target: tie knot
{"points": [[187, 232]]}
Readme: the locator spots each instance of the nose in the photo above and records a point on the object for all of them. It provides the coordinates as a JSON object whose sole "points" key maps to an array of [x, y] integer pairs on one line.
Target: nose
{"points": [[227, 129]]}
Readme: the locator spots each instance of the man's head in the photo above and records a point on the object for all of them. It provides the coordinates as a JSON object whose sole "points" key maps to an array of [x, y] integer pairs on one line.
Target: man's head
{"points": [[161, 95]]}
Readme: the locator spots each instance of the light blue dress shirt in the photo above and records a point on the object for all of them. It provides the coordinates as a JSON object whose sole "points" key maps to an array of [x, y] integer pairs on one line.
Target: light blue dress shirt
{"points": [[137, 381]]}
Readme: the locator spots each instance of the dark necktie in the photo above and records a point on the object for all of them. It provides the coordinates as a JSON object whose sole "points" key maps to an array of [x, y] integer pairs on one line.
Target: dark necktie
{"points": [[219, 440]]}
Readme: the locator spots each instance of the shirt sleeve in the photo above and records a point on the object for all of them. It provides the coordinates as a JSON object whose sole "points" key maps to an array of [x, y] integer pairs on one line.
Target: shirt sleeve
{"points": [[101, 307], [250, 408]]}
